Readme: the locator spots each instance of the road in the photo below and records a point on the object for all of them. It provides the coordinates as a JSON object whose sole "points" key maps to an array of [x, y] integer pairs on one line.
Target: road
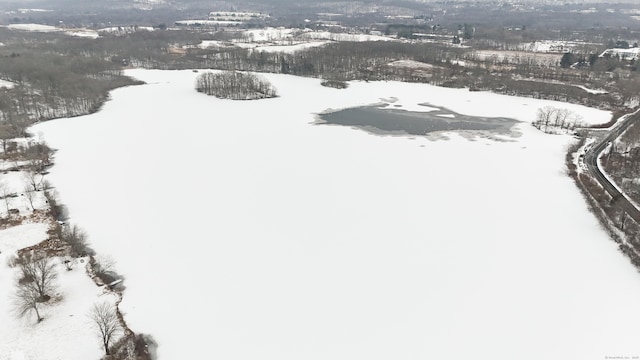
{"points": [[591, 161]]}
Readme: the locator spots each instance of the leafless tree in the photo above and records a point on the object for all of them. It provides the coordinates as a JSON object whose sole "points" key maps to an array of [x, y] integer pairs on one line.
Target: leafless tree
{"points": [[560, 118], [549, 118], [235, 85], [105, 320], [34, 180], [6, 134], [38, 275], [30, 194], [26, 301], [543, 117], [105, 264], [5, 193], [77, 239], [45, 185]]}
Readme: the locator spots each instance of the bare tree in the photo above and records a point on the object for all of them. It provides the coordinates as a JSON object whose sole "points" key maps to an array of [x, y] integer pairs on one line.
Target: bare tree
{"points": [[560, 118], [543, 117], [5, 193], [105, 320], [77, 239], [38, 275], [6, 134], [549, 119], [26, 301], [34, 180], [30, 194], [105, 263], [38, 155], [235, 85]]}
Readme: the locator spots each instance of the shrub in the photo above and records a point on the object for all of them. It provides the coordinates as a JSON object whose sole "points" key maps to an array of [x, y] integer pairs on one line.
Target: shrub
{"points": [[336, 84]]}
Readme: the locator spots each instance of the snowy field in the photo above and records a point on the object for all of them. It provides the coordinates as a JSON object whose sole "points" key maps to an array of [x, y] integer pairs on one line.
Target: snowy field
{"points": [[79, 32], [286, 40], [65, 333], [246, 232], [547, 59], [624, 54]]}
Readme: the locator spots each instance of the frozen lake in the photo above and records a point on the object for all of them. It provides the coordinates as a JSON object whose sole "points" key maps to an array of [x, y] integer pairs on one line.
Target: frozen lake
{"points": [[247, 232]]}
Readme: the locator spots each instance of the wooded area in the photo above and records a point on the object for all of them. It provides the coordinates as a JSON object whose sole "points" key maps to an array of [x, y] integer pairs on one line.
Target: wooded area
{"points": [[235, 85]]}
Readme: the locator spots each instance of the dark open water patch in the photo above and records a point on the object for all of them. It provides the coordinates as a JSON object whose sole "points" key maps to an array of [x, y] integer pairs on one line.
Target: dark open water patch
{"points": [[385, 121]]}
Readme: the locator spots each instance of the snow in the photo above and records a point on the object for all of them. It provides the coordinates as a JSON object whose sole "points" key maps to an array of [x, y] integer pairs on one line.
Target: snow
{"points": [[92, 34], [326, 35], [284, 46], [25, 11], [205, 22], [411, 64], [269, 34], [289, 49], [624, 54], [245, 231], [65, 332], [277, 34], [84, 33], [553, 46], [123, 30], [6, 84], [206, 44], [592, 91], [33, 27], [15, 238], [287, 40], [611, 180], [547, 59]]}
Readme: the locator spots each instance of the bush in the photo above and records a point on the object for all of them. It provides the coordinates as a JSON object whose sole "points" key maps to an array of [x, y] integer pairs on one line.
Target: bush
{"points": [[336, 84]]}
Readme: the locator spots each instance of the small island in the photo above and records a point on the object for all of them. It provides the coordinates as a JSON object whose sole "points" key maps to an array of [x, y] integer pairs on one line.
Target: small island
{"points": [[235, 85]]}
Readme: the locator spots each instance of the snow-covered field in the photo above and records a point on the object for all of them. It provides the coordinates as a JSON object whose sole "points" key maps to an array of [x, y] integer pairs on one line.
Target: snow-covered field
{"points": [[288, 47], [287, 40], [65, 333], [33, 27], [553, 46], [515, 57], [245, 231], [79, 32], [624, 54]]}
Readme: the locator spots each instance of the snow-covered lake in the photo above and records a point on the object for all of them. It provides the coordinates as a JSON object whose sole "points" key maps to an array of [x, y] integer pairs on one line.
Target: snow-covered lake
{"points": [[247, 232]]}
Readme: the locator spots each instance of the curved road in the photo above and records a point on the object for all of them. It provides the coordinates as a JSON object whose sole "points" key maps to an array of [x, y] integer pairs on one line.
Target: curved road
{"points": [[591, 161]]}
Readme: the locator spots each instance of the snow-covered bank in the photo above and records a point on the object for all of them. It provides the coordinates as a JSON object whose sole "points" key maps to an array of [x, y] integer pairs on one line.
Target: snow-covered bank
{"points": [[246, 232], [66, 332]]}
